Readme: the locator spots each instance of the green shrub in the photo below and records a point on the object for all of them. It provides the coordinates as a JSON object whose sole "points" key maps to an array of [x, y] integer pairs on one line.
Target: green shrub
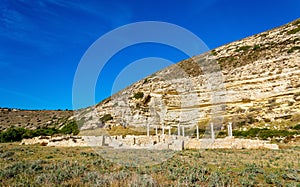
{"points": [[70, 128], [40, 132], [145, 81], [138, 95], [214, 52], [294, 31], [256, 47], [243, 48], [17, 134], [293, 49], [264, 133], [7, 154], [12, 135], [297, 127], [106, 118]]}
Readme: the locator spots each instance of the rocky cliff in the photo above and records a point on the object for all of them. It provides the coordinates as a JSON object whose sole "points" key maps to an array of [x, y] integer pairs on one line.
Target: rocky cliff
{"points": [[251, 82]]}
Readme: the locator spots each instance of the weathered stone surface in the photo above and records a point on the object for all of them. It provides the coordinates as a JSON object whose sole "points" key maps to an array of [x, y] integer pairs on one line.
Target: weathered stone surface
{"points": [[259, 84], [151, 142], [230, 143], [62, 141]]}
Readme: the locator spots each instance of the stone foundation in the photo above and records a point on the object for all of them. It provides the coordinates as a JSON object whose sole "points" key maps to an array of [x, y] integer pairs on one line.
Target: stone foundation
{"points": [[229, 143], [151, 142]]}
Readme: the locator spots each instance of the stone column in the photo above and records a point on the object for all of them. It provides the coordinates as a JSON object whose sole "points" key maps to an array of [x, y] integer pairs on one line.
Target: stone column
{"points": [[156, 129], [197, 129], [230, 129], [103, 141], [178, 128], [212, 131], [183, 131], [170, 130]]}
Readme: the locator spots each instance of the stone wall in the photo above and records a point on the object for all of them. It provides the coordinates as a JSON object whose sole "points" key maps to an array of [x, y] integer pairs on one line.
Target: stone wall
{"points": [[151, 142], [229, 143]]}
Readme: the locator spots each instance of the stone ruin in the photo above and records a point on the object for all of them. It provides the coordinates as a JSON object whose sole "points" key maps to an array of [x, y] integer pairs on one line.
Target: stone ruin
{"points": [[159, 141]]}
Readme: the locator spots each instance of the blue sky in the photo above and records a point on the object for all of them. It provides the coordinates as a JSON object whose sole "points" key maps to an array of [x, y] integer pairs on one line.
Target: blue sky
{"points": [[42, 41]]}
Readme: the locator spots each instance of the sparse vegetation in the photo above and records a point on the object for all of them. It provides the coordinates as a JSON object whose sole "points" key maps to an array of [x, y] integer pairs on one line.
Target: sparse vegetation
{"points": [[272, 103], [17, 134], [50, 166], [294, 31], [12, 134], [250, 118], [246, 100], [70, 128], [214, 52], [145, 81], [138, 95], [127, 131], [106, 118], [31, 119], [264, 133], [294, 48], [297, 127], [256, 47], [240, 110], [243, 48]]}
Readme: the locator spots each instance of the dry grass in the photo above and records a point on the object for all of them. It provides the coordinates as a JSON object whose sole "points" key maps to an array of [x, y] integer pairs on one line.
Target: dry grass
{"points": [[50, 166], [116, 131], [32, 118]]}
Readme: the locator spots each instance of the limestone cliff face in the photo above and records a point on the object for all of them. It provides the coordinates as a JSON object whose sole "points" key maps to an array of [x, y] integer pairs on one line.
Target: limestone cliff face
{"points": [[252, 82]]}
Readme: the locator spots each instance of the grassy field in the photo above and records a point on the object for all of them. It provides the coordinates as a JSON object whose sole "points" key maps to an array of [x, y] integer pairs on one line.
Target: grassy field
{"points": [[82, 166]]}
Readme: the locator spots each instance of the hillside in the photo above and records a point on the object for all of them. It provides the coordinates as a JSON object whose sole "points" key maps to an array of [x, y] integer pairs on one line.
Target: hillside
{"points": [[253, 82], [32, 119]]}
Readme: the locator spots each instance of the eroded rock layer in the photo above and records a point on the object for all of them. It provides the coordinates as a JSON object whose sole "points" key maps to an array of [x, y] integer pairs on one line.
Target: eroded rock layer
{"points": [[251, 82]]}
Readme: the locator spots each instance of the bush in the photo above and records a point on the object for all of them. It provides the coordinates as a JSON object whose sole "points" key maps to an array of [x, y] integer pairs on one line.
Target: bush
{"points": [[222, 134], [106, 118], [297, 127], [294, 31], [243, 48], [145, 81], [12, 135], [40, 132], [17, 134], [263, 133], [70, 128], [272, 101], [138, 95], [7, 154], [293, 49], [256, 47]]}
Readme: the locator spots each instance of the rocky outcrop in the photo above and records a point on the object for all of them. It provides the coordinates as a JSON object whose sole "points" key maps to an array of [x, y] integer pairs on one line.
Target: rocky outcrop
{"points": [[251, 82]]}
